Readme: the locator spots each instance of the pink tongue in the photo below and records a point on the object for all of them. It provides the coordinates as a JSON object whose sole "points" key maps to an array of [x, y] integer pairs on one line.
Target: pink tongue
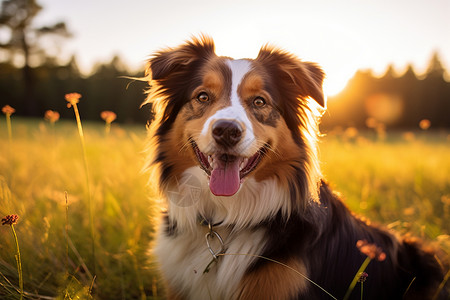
{"points": [[225, 179]]}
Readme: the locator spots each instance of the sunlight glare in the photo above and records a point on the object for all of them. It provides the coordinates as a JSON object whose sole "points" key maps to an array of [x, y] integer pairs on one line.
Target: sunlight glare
{"points": [[337, 71], [333, 86]]}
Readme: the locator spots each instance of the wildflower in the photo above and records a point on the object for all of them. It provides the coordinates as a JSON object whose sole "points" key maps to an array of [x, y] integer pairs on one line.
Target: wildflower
{"points": [[363, 277], [424, 124], [8, 110], [409, 211], [381, 131], [108, 116], [72, 98], [371, 122], [10, 220], [408, 136], [51, 116], [351, 132], [371, 250]]}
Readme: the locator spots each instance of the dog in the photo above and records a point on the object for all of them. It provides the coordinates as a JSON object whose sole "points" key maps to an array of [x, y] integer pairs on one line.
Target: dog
{"points": [[249, 216]]}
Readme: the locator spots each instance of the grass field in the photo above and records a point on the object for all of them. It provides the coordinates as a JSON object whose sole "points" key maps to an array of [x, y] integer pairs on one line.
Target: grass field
{"points": [[398, 181]]}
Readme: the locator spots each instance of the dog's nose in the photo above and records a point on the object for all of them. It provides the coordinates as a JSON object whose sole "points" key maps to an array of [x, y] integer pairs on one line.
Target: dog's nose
{"points": [[226, 133]]}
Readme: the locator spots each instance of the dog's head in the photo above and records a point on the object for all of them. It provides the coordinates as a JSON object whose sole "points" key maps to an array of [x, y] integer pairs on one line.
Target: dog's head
{"points": [[233, 118]]}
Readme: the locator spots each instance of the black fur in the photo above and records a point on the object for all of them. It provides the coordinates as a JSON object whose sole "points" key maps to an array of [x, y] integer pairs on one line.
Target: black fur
{"points": [[323, 234], [324, 237], [270, 119]]}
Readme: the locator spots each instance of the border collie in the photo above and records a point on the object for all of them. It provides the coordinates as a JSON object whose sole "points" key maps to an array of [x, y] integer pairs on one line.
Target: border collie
{"points": [[233, 146]]}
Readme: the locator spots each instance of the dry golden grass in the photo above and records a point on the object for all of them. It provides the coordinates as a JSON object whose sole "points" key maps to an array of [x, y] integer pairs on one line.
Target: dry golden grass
{"points": [[401, 181]]}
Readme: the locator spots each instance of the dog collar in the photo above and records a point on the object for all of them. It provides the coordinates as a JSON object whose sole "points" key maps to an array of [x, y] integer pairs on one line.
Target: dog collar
{"points": [[210, 237], [205, 222]]}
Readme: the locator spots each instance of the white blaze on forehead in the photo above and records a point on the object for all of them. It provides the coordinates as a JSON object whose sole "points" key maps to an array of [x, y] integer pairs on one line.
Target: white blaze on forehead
{"points": [[238, 70], [236, 111]]}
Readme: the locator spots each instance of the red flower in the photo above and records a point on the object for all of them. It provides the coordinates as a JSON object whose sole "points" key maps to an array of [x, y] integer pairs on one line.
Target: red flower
{"points": [[72, 98], [8, 110], [363, 277], [371, 250], [51, 116], [10, 220], [108, 116]]}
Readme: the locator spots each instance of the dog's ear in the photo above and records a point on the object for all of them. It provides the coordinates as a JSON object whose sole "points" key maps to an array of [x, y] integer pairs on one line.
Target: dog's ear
{"points": [[175, 60], [313, 81], [307, 77], [171, 76]]}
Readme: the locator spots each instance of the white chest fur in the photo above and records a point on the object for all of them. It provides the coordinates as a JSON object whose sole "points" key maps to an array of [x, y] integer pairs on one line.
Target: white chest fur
{"points": [[184, 257]]}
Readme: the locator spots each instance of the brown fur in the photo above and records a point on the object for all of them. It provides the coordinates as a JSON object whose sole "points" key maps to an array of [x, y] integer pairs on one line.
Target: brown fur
{"points": [[284, 210], [274, 281]]}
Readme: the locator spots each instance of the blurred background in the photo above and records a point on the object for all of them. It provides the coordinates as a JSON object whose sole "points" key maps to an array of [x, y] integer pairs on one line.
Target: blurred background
{"points": [[386, 61], [87, 214]]}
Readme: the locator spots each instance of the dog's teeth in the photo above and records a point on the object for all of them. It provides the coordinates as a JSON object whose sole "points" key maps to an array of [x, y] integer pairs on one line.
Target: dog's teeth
{"points": [[212, 162], [243, 163]]}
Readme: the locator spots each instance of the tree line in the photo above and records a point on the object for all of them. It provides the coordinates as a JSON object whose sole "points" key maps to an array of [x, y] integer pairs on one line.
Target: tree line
{"points": [[33, 81], [105, 89], [395, 101]]}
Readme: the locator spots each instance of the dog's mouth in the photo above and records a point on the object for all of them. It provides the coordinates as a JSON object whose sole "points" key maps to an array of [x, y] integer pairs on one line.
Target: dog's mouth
{"points": [[226, 171]]}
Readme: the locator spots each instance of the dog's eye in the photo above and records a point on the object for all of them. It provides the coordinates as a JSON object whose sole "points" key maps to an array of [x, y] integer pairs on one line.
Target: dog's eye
{"points": [[203, 97], [259, 102]]}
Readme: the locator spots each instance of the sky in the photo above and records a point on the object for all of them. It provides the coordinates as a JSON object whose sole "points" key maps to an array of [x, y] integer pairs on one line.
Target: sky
{"points": [[340, 35]]}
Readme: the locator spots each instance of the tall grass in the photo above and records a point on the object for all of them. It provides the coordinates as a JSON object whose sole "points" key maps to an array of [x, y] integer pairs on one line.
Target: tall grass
{"points": [[33, 182], [8, 111], [401, 183], [11, 220], [73, 99]]}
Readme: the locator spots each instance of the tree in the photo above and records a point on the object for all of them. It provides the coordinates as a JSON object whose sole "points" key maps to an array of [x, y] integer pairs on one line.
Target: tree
{"points": [[436, 93], [435, 67], [16, 17]]}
